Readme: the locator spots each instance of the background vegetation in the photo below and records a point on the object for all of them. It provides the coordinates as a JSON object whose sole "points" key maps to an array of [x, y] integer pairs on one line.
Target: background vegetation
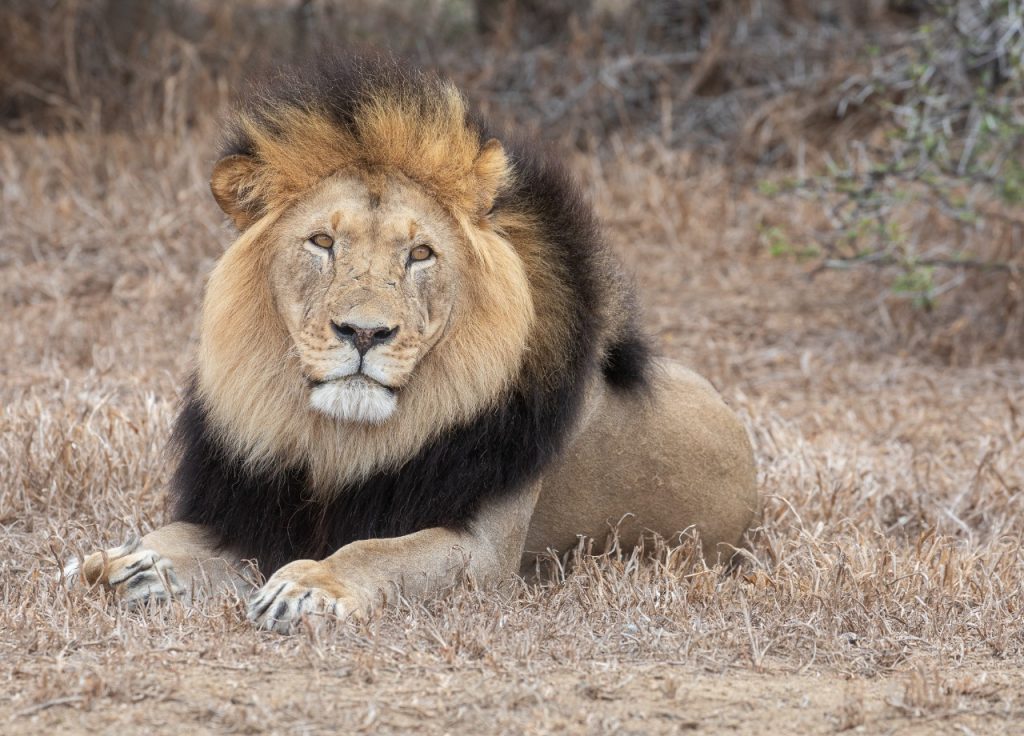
{"points": [[897, 124]]}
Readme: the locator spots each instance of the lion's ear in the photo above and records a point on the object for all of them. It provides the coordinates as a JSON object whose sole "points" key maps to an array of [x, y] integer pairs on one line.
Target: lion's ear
{"points": [[492, 171], [232, 181]]}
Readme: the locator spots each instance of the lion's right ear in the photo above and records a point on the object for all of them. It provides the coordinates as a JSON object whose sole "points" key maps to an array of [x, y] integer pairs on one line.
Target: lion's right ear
{"points": [[232, 182]]}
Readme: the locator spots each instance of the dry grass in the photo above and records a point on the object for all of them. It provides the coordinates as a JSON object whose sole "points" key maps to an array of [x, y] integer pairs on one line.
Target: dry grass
{"points": [[884, 593]]}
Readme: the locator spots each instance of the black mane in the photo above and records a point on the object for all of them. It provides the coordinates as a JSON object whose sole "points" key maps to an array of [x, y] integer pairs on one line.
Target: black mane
{"points": [[273, 516]]}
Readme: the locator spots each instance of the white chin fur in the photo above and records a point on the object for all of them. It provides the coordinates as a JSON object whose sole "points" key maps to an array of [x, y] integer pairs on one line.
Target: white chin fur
{"points": [[354, 400]]}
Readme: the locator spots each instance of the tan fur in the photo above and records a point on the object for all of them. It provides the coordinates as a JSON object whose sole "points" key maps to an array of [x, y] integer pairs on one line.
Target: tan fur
{"points": [[668, 460], [679, 461]]}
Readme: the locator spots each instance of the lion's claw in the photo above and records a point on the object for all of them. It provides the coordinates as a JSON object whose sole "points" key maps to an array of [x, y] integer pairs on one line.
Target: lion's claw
{"points": [[136, 575], [300, 592], [281, 608]]}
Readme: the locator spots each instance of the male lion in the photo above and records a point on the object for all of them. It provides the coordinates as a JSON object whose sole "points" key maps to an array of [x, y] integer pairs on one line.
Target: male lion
{"points": [[417, 360]]}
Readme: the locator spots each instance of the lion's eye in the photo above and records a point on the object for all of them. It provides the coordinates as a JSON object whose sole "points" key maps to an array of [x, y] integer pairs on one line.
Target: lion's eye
{"points": [[420, 253], [322, 241]]}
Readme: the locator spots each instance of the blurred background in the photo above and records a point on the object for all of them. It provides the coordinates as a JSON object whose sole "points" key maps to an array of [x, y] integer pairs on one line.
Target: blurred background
{"points": [[878, 138]]}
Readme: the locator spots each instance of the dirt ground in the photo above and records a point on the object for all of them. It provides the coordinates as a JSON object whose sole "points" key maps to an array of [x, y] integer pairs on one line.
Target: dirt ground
{"points": [[658, 698], [883, 596]]}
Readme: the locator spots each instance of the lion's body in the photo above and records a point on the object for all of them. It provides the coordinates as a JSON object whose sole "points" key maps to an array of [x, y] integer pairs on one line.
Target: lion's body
{"points": [[419, 358], [676, 461]]}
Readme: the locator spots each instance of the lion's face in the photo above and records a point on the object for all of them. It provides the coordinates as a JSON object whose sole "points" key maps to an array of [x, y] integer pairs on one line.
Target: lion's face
{"points": [[373, 298], [364, 276]]}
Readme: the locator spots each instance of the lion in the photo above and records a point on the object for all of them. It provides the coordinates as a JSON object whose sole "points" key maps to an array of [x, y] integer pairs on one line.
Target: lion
{"points": [[418, 363]]}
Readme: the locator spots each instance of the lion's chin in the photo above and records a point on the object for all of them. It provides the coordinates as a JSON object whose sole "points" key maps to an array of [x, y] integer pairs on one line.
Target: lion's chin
{"points": [[354, 399]]}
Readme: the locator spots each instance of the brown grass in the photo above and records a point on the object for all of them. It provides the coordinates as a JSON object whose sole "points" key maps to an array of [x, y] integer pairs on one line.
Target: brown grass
{"points": [[883, 595], [885, 589]]}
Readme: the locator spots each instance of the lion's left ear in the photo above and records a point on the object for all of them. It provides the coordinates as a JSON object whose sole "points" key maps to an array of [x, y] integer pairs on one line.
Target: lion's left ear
{"points": [[492, 172], [233, 180]]}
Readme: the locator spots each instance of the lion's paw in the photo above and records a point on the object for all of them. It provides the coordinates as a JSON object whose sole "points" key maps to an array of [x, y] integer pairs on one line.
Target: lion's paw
{"points": [[135, 575], [304, 590]]}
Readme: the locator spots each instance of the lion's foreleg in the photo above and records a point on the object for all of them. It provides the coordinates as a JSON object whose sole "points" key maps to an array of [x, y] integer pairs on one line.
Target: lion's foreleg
{"points": [[369, 573], [178, 560]]}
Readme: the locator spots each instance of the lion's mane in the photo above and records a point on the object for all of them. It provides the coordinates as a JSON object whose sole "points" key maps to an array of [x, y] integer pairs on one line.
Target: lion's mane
{"points": [[377, 115]]}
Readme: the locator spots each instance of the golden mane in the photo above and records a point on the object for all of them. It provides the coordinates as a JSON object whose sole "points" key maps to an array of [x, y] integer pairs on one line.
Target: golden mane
{"points": [[406, 121]]}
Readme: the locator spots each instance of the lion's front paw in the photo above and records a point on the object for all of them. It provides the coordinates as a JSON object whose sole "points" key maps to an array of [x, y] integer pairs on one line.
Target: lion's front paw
{"points": [[135, 574], [304, 589]]}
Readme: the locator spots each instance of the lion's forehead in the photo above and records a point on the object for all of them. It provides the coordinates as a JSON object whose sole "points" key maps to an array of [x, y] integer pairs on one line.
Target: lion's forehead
{"points": [[390, 210]]}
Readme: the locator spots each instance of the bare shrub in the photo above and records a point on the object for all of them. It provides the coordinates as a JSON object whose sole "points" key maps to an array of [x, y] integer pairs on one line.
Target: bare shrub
{"points": [[930, 196]]}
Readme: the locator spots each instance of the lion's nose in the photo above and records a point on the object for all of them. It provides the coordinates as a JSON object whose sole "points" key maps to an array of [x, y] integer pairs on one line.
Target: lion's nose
{"points": [[363, 338]]}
